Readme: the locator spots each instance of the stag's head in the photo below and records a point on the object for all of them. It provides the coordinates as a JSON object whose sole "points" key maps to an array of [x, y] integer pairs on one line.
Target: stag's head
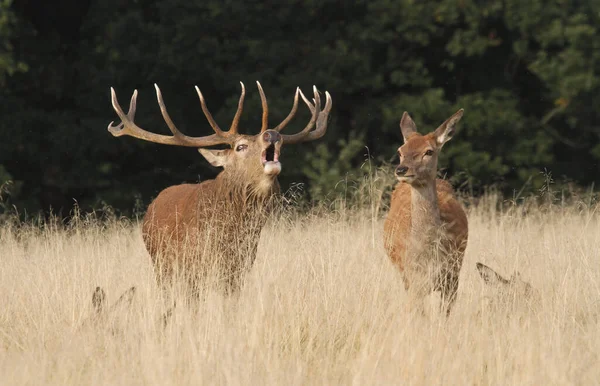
{"points": [[419, 154], [253, 158], [249, 155]]}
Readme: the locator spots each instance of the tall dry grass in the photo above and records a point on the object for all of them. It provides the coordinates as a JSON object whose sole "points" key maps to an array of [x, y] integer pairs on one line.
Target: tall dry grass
{"points": [[322, 305]]}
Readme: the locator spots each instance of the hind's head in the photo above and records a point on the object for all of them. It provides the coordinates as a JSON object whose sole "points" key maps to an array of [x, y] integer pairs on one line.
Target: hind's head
{"points": [[419, 154], [513, 287]]}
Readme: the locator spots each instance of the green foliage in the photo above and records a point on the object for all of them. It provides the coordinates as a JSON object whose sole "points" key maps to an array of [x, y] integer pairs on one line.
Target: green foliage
{"points": [[526, 73], [327, 172], [8, 64]]}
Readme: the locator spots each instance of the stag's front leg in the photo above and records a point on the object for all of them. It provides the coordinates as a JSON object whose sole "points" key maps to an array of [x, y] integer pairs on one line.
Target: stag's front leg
{"points": [[233, 284], [235, 273], [241, 260]]}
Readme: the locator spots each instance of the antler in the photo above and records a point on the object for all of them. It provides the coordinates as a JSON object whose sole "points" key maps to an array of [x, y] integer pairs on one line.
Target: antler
{"points": [[128, 127], [292, 113], [265, 107], [317, 115]]}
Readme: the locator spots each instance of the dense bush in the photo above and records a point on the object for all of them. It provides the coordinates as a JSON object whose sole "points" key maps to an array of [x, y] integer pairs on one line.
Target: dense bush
{"points": [[526, 73]]}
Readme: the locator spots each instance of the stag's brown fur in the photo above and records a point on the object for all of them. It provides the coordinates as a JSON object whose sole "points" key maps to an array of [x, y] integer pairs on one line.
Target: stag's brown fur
{"points": [[215, 224], [426, 230], [194, 229]]}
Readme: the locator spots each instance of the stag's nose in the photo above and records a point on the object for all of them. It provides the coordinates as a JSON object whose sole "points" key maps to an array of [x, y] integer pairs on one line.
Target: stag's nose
{"points": [[271, 136], [401, 170]]}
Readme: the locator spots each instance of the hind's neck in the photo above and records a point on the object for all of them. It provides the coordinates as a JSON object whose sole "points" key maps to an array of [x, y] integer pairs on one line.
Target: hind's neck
{"points": [[425, 214]]}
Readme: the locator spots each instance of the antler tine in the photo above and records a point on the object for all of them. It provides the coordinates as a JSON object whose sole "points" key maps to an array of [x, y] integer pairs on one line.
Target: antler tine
{"points": [[265, 107], [317, 98], [292, 113], [132, 105], [322, 120], [306, 134], [313, 109], [208, 115], [118, 130], [236, 119], [165, 114], [299, 137], [128, 126]]}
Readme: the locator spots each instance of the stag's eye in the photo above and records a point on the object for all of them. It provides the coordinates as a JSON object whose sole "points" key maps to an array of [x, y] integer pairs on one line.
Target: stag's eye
{"points": [[429, 152], [241, 147]]}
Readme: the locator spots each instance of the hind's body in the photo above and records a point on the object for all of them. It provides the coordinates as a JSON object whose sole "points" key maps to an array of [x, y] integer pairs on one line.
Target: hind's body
{"points": [[451, 234], [426, 231]]}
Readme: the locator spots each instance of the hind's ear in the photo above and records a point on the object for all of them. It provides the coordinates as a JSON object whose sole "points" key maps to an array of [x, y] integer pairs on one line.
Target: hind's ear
{"points": [[407, 126], [446, 131], [217, 158], [490, 276]]}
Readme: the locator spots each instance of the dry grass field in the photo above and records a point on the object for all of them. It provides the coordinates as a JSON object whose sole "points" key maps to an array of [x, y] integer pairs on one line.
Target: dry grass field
{"points": [[322, 305]]}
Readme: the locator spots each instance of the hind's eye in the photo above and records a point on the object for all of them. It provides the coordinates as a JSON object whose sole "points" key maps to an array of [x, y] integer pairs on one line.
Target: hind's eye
{"points": [[241, 147], [429, 152]]}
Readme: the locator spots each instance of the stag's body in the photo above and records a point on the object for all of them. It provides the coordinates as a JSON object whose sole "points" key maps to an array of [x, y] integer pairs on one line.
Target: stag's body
{"points": [[211, 225], [214, 226], [426, 230]]}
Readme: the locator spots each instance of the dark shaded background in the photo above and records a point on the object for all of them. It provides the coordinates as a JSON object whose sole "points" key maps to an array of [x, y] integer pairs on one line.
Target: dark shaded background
{"points": [[526, 73]]}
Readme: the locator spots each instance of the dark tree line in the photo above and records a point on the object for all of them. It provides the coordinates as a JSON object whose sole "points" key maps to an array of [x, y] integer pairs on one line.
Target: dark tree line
{"points": [[526, 73]]}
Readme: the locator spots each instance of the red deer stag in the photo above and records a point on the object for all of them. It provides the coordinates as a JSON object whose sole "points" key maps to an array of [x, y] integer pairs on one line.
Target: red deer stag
{"points": [[217, 223], [426, 230]]}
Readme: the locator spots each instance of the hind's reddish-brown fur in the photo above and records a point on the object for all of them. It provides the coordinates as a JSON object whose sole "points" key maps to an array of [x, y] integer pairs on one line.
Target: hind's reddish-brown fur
{"points": [[426, 230], [398, 221]]}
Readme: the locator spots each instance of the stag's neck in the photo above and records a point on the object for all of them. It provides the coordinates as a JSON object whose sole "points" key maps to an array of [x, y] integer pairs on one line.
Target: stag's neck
{"points": [[425, 214], [249, 194]]}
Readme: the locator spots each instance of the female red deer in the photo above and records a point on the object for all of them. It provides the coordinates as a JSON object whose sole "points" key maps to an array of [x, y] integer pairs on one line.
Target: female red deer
{"points": [[216, 224], [426, 229], [514, 291]]}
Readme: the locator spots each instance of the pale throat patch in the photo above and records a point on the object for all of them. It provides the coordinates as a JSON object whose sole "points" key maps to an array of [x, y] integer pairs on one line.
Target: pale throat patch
{"points": [[265, 186]]}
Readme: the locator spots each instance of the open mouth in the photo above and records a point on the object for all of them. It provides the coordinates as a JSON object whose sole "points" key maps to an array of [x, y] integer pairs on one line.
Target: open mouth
{"points": [[270, 153], [270, 160]]}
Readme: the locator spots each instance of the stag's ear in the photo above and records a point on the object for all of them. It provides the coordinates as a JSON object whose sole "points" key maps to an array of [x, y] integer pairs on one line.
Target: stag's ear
{"points": [[490, 276], [445, 132], [217, 158], [407, 126]]}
